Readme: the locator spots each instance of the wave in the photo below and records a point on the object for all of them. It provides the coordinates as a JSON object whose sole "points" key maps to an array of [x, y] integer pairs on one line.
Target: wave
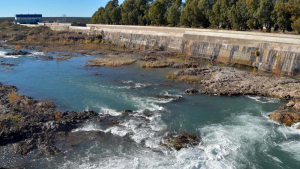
{"points": [[111, 112], [2, 54], [133, 85], [32, 53], [264, 99]]}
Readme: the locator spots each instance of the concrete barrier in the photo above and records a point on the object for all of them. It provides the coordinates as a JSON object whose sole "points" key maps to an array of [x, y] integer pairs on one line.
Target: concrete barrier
{"points": [[276, 51]]}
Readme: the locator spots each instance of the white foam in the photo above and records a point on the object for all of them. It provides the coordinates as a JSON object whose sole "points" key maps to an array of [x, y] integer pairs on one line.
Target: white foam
{"points": [[291, 147], [33, 53], [133, 86], [111, 112], [129, 81], [37, 53], [2, 54], [264, 99], [120, 131], [225, 146], [88, 127]]}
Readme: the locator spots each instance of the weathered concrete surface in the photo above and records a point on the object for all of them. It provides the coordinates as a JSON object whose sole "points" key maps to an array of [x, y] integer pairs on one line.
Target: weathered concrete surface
{"points": [[272, 52]]}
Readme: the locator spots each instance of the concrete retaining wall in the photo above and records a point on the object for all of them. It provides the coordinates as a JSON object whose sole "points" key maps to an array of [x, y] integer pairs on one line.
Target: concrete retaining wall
{"points": [[263, 50]]}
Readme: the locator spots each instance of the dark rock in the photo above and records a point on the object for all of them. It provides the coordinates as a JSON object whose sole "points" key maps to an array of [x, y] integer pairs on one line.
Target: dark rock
{"points": [[17, 52], [108, 121], [191, 91], [24, 147], [183, 140], [148, 113], [167, 97], [8, 64], [28, 123], [126, 112], [49, 149]]}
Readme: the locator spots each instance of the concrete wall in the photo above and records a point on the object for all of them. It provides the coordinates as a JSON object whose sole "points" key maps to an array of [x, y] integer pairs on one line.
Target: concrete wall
{"points": [[263, 50]]}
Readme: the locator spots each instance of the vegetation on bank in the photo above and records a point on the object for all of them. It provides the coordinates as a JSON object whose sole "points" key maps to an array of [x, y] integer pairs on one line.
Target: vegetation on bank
{"points": [[230, 14], [55, 41]]}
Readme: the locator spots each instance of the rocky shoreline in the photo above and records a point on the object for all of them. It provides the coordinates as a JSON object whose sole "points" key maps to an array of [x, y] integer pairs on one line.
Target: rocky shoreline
{"points": [[29, 124], [230, 81]]}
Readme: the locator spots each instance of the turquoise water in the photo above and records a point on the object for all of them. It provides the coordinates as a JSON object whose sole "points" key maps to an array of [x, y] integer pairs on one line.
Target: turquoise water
{"points": [[236, 131]]}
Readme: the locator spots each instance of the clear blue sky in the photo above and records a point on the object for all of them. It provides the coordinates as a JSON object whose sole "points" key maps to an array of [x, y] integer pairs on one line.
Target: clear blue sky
{"points": [[84, 8]]}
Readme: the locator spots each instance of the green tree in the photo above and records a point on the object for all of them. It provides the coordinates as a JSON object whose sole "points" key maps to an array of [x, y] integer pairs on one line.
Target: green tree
{"points": [[174, 13], [108, 9], [281, 16], [296, 25], [293, 6], [252, 6], [237, 15], [157, 12], [264, 14], [115, 15], [98, 16], [205, 6], [192, 15]]}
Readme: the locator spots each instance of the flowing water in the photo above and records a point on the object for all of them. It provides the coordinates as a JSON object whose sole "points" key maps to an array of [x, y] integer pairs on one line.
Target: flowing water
{"points": [[236, 131]]}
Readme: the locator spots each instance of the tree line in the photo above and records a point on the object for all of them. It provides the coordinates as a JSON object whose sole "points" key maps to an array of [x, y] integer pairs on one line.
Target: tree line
{"points": [[228, 14]]}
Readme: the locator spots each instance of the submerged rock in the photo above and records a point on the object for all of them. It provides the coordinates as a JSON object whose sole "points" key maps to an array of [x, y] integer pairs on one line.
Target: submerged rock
{"points": [[46, 57], [8, 64]]}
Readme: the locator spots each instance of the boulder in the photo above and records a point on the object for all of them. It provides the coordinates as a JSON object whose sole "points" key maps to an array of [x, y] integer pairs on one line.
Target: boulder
{"points": [[290, 104], [297, 106], [285, 117]]}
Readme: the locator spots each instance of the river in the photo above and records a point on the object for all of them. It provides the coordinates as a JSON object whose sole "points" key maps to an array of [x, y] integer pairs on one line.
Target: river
{"points": [[235, 131]]}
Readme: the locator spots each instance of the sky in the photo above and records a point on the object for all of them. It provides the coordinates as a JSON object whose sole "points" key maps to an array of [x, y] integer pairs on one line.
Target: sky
{"points": [[51, 8]]}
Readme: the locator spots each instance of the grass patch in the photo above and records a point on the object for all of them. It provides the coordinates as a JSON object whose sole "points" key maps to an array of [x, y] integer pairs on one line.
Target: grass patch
{"points": [[13, 97], [110, 62], [15, 119], [154, 64], [184, 78]]}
